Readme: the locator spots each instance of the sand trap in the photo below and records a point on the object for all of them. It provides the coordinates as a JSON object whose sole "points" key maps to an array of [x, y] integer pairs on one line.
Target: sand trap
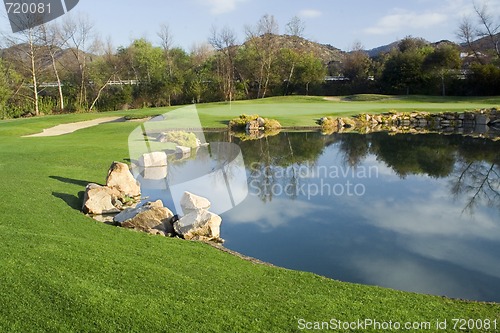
{"points": [[332, 99], [71, 127]]}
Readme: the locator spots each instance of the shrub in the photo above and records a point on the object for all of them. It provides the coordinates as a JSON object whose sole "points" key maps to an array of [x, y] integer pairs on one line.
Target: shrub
{"points": [[239, 123], [182, 138]]}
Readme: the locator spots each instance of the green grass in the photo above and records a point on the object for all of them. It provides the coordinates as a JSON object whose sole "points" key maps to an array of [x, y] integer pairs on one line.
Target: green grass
{"points": [[304, 111], [63, 272]]}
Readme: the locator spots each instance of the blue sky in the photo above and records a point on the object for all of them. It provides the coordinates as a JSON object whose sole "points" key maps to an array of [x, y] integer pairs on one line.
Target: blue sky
{"points": [[335, 22]]}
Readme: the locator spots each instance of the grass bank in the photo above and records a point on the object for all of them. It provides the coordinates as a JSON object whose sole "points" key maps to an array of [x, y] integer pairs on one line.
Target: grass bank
{"points": [[63, 272]]}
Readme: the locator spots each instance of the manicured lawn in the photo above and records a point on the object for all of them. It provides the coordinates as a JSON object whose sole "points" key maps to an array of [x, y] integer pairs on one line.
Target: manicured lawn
{"points": [[60, 271], [304, 111]]}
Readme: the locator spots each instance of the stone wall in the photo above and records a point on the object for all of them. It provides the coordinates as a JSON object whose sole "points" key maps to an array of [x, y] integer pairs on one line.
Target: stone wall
{"points": [[484, 123]]}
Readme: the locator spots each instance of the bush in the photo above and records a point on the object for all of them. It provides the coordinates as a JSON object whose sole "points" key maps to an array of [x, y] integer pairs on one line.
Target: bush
{"points": [[240, 123], [271, 124], [182, 138]]}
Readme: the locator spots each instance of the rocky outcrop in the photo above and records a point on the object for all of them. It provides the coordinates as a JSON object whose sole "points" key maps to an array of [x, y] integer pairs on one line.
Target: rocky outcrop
{"points": [[152, 215]]}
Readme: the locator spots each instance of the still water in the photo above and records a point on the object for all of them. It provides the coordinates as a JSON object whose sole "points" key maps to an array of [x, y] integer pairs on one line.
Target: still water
{"points": [[418, 213]]}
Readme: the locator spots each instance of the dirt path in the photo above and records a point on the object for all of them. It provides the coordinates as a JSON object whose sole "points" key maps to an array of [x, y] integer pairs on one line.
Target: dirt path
{"points": [[71, 127]]}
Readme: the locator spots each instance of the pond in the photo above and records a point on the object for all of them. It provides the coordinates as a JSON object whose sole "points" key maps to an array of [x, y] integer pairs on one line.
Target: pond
{"points": [[418, 213]]}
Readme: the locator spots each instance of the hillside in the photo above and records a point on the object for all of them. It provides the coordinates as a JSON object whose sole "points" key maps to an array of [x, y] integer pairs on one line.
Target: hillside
{"points": [[326, 53]]}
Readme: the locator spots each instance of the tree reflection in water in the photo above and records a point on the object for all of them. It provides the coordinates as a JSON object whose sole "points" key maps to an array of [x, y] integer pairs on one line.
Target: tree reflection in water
{"points": [[472, 164]]}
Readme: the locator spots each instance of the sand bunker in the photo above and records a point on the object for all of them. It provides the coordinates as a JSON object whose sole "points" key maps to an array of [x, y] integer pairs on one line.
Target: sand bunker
{"points": [[71, 127]]}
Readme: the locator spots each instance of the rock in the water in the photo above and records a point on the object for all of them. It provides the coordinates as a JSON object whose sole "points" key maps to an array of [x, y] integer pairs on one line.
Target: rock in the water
{"points": [[183, 150], [154, 159], [120, 178], [100, 200], [191, 202], [199, 225], [152, 215]]}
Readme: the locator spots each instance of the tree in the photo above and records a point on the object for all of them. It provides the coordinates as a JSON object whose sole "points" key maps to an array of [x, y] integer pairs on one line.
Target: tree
{"points": [[52, 42], [262, 39], [224, 42], [442, 61], [295, 27], [166, 44], [403, 69], [488, 27], [356, 64], [78, 36], [310, 70], [149, 67], [25, 52], [5, 89]]}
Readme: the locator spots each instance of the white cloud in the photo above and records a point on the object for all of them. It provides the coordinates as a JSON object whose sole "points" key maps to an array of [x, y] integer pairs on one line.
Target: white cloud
{"points": [[403, 19], [310, 13], [222, 6]]}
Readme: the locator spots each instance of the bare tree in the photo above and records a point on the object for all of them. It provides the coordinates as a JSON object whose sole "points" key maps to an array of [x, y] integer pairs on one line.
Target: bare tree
{"points": [[25, 52], [52, 41], [467, 34], [224, 41], [295, 27], [166, 44], [489, 28], [78, 34], [263, 39], [486, 27]]}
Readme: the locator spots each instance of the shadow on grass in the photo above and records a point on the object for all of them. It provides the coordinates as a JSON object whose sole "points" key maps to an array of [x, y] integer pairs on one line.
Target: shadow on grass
{"points": [[71, 181], [74, 201]]}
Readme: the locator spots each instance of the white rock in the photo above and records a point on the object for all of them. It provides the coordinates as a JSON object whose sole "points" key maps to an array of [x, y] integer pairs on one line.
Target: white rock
{"points": [[100, 200], [154, 159], [200, 224], [120, 178], [183, 150], [192, 202]]}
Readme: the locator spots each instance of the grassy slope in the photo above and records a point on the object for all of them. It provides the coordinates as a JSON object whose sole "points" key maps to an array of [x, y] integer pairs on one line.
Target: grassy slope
{"points": [[61, 271]]}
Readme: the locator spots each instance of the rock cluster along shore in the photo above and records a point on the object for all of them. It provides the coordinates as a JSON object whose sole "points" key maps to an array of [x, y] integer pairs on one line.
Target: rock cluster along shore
{"points": [[117, 203], [484, 123]]}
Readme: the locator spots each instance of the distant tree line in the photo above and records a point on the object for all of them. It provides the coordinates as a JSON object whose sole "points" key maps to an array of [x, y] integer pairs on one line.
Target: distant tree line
{"points": [[65, 68]]}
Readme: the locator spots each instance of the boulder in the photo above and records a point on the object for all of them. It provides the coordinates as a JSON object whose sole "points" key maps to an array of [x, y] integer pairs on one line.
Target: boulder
{"points": [[121, 179], [252, 125], [199, 225], [154, 159], [482, 119], [183, 150], [261, 121], [191, 202], [152, 215], [100, 200]]}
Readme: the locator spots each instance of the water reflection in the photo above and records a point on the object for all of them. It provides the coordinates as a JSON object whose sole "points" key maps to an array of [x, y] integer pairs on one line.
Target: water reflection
{"points": [[408, 231], [427, 220]]}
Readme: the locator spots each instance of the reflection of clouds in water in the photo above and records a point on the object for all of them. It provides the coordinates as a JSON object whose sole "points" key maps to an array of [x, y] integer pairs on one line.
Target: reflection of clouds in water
{"points": [[278, 213], [457, 252], [408, 275], [434, 215], [383, 169]]}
